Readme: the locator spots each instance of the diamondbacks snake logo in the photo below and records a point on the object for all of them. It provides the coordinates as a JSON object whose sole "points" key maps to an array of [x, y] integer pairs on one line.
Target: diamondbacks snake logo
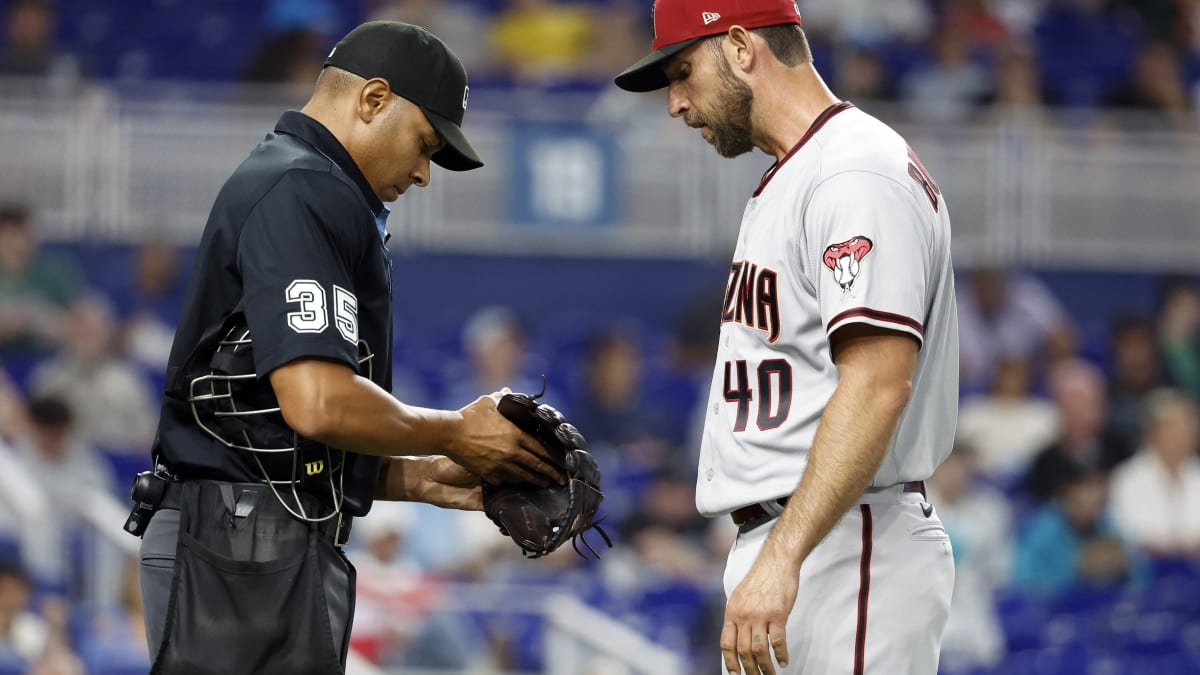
{"points": [[844, 259]]}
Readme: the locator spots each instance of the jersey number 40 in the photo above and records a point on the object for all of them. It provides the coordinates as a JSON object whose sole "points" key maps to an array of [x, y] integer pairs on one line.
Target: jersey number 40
{"points": [[774, 392]]}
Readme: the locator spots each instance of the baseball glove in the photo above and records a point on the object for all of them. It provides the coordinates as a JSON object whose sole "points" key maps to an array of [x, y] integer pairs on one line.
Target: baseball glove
{"points": [[540, 519]]}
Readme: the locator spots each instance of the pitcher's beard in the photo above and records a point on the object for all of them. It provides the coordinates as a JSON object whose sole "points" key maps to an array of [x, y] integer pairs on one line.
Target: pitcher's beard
{"points": [[730, 127]]}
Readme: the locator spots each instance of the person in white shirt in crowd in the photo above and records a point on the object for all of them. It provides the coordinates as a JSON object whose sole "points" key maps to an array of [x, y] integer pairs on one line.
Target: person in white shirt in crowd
{"points": [[978, 519], [72, 482], [1156, 493], [1009, 425], [108, 396], [1002, 314]]}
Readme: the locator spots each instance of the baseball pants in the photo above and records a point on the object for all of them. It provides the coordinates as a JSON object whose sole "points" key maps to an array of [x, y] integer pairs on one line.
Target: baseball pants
{"points": [[874, 595]]}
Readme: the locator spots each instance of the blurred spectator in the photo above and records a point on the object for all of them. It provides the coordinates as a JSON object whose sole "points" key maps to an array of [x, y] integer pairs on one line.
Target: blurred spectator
{"points": [[458, 23], [71, 477], [1069, 541], [1156, 494], [1156, 82], [946, 89], [543, 40], [1078, 391], [34, 644], [862, 75], [1157, 85], [116, 638], [868, 22], [621, 33], [1135, 369], [1004, 314], [494, 343], [149, 305], [394, 595], [35, 287], [1017, 82], [611, 408], [293, 57], [22, 632], [693, 348], [13, 421], [979, 522], [978, 21], [1172, 21], [1179, 332], [1086, 47], [109, 398], [29, 44], [1019, 15], [1007, 426]]}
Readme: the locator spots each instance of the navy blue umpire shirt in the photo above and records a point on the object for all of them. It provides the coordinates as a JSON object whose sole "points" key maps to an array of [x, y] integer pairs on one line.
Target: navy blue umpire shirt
{"points": [[295, 242]]}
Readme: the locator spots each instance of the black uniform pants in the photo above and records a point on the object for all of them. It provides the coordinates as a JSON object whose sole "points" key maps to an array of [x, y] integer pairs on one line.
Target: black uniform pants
{"points": [[232, 583]]}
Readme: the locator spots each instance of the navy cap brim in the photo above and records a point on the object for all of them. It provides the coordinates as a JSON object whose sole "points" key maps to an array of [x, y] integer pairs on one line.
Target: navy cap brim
{"points": [[650, 73], [458, 155]]}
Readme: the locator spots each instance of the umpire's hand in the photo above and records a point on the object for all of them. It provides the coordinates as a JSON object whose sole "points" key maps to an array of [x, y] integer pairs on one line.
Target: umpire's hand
{"points": [[494, 449]]}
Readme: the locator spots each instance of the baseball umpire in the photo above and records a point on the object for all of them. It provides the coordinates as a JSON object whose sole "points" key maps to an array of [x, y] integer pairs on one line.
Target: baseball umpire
{"points": [[835, 392], [278, 428]]}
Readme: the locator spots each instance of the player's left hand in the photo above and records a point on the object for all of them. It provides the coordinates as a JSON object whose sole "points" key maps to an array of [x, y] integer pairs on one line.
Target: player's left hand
{"points": [[756, 616], [439, 481]]}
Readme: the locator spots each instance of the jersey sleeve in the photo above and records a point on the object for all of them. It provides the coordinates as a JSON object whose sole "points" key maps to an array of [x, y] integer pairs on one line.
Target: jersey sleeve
{"points": [[297, 265], [868, 251]]}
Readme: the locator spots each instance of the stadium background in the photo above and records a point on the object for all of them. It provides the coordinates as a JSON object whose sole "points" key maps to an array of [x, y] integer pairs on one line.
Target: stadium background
{"points": [[1063, 133]]}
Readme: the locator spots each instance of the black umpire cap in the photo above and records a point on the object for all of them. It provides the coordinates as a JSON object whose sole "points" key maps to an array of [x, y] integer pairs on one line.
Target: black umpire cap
{"points": [[418, 67]]}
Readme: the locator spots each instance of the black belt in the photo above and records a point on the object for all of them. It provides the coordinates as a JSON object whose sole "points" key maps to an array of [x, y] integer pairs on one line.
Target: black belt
{"points": [[336, 529], [749, 517]]}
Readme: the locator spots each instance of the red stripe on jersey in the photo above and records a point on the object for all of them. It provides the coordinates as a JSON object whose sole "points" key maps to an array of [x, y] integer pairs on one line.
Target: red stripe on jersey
{"points": [[826, 115], [878, 316], [864, 591]]}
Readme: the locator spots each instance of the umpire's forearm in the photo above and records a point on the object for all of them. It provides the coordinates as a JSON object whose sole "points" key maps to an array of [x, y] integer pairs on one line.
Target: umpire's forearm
{"points": [[329, 403]]}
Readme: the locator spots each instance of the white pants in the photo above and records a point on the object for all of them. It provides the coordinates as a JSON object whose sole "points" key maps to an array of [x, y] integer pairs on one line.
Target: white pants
{"points": [[874, 594]]}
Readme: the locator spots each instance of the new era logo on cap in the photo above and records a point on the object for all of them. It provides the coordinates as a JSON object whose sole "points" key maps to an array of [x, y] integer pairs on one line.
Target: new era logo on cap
{"points": [[677, 25]]}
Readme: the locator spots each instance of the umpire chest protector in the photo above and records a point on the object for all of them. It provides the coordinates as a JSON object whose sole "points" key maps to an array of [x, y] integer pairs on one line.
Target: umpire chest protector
{"points": [[291, 265]]}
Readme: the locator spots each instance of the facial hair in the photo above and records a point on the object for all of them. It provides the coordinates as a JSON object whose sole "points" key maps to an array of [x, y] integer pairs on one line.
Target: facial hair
{"points": [[729, 124]]}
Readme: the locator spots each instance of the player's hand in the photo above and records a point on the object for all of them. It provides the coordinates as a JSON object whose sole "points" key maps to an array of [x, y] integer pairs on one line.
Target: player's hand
{"points": [[756, 616], [441, 482], [493, 448]]}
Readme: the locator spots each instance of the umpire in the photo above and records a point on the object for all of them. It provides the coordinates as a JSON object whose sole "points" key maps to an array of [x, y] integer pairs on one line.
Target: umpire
{"points": [[278, 428]]}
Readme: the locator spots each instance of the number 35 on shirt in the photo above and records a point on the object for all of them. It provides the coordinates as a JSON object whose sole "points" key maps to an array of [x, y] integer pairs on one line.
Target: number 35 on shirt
{"points": [[313, 315]]}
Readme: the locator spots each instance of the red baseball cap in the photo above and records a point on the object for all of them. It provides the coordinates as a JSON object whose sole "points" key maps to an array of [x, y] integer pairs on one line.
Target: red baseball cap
{"points": [[679, 24]]}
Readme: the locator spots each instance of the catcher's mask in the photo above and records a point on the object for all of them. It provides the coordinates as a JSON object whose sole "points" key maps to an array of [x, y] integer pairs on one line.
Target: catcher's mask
{"points": [[230, 404]]}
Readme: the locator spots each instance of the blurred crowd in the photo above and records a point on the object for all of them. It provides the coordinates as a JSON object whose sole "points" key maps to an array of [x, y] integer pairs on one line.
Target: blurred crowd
{"points": [[1075, 472], [940, 59], [1073, 489]]}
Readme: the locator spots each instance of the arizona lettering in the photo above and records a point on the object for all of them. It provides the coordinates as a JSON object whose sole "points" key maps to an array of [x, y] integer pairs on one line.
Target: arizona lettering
{"points": [[752, 298]]}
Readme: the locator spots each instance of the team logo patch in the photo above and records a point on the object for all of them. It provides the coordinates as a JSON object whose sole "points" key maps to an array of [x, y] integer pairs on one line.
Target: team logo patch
{"points": [[844, 259]]}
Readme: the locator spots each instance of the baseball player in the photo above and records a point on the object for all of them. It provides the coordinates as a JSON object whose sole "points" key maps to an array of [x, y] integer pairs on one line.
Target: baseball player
{"points": [[277, 428], [835, 389]]}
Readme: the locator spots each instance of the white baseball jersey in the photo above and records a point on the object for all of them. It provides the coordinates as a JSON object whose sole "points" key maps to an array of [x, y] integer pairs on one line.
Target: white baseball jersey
{"points": [[849, 227]]}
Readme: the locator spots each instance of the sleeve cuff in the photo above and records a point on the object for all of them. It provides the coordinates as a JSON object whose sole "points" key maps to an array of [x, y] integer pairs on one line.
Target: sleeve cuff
{"points": [[268, 362], [875, 317]]}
